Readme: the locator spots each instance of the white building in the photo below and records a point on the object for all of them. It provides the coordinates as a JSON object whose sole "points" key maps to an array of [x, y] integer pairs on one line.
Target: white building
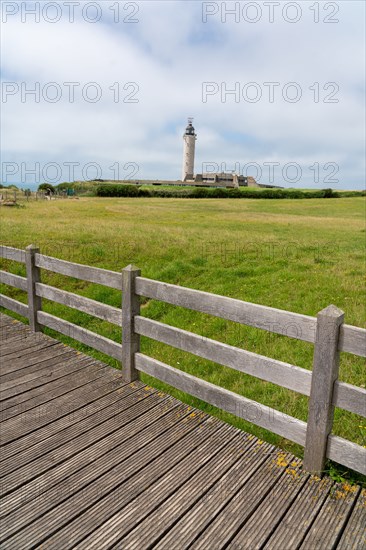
{"points": [[189, 138], [209, 179]]}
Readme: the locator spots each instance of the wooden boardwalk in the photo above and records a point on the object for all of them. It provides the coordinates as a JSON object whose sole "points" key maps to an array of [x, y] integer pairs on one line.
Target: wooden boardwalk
{"points": [[88, 461]]}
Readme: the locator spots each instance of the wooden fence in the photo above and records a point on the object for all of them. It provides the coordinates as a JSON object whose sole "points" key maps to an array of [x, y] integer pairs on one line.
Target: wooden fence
{"points": [[327, 332], [19, 196]]}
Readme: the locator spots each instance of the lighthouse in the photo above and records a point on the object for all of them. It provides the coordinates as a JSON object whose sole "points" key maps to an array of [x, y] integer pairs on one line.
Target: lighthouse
{"points": [[189, 139]]}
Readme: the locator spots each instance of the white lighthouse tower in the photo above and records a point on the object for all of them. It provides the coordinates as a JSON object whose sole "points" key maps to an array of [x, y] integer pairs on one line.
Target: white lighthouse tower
{"points": [[189, 139]]}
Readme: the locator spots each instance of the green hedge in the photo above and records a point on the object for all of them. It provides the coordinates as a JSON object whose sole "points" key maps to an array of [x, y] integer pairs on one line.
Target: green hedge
{"points": [[214, 193], [121, 191]]}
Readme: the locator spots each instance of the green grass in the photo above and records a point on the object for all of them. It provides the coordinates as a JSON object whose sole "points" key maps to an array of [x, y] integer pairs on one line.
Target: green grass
{"points": [[290, 254]]}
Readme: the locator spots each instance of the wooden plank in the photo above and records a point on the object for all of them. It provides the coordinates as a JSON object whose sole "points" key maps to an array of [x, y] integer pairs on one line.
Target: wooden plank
{"points": [[92, 307], [325, 373], [13, 280], [181, 491], [130, 308], [28, 385], [14, 305], [10, 253], [271, 511], [11, 336], [105, 471], [353, 537], [14, 335], [92, 274], [199, 516], [28, 358], [17, 427], [101, 396], [271, 370], [118, 509], [19, 346], [219, 533], [328, 526], [258, 414], [104, 409], [7, 320], [74, 454], [350, 398], [13, 339], [91, 339], [27, 414], [198, 500], [293, 325], [79, 375], [301, 515], [104, 466], [25, 351], [346, 452], [11, 328], [33, 277], [352, 340], [31, 369]]}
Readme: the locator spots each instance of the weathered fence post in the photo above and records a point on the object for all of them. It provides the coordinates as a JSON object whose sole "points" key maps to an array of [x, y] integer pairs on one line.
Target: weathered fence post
{"points": [[130, 308], [325, 373], [33, 277]]}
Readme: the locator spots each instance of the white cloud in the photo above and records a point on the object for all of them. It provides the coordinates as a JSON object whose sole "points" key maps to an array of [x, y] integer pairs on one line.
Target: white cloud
{"points": [[169, 54]]}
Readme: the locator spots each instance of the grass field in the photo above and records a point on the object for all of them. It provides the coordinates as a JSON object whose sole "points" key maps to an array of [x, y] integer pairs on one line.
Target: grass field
{"points": [[290, 254]]}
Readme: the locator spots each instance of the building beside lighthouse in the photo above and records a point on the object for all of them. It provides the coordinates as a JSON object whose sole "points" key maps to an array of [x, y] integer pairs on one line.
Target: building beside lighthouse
{"points": [[189, 145], [209, 179]]}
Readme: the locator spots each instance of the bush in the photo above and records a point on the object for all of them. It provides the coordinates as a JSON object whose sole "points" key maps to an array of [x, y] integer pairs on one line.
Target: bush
{"points": [[64, 186], [125, 190], [10, 186], [199, 192], [219, 193], [46, 187], [118, 191], [329, 193]]}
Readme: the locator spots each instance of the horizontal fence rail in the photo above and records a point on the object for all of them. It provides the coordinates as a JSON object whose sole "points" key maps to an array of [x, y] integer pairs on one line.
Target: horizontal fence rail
{"points": [[78, 271], [301, 327], [327, 332], [261, 415], [288, 376], [100, 343], [352, 340], [13, 280], [273, 320], [86, 305], [346, 396], [347, 453], [14, 305], [10, 253]]}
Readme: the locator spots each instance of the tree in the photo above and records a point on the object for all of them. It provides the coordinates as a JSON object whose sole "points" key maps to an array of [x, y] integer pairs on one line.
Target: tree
{"points": [[46, 187]]}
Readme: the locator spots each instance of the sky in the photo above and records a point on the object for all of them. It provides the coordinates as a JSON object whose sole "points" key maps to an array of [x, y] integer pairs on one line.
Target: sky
{"points": [[103, 90]]}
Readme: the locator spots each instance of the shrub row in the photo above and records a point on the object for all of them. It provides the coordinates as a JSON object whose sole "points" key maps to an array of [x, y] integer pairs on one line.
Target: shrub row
{"points": [[215, 193]]}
